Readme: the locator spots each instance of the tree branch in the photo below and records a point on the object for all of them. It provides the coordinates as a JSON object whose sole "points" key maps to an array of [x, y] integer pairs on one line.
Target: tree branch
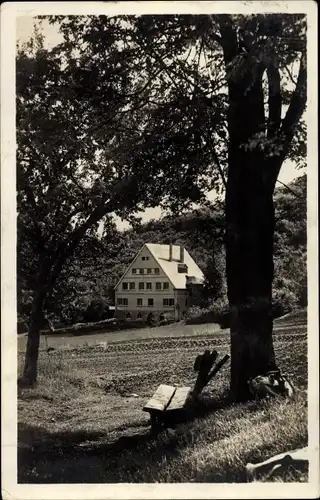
{"points": [[216, 159], [293, 115], [289, 189], [275, 100], [35, 221], [290, 75], [214, 36], [196, 77], [167, 70], [140, 91], [66, 248], [229, 40], [298, 101]]}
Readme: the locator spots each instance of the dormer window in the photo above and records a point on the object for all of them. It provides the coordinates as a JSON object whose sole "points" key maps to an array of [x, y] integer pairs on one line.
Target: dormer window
{"points": [[182, 268]]}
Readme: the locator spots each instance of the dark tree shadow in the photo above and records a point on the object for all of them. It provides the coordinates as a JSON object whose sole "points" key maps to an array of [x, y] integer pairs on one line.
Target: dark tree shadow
{"points": [[96, 457]]}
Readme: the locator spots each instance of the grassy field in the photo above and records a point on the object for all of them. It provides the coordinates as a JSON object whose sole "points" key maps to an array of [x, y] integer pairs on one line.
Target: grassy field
{"points": [[89, 339], [84, 421]]}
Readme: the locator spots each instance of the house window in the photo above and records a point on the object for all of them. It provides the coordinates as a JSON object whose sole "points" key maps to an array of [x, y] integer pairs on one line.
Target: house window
{"points": [[124, 286], [149, 270], [139, 302], [132, 286], [139, 315], [150, 302], [122, 301], [134, 271], [141, 286], [165, 286], [141, 271], [186, 302], [149, 286], [145, 258], [157, 270], [128, 316], [158, 286], [168, 302]]}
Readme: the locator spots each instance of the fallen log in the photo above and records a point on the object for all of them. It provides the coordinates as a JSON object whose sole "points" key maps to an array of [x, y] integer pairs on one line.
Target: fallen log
{"points": [[298, 459]]}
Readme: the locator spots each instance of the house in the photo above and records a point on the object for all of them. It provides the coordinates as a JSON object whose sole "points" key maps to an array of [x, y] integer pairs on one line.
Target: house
{"points": [[161, 279]]}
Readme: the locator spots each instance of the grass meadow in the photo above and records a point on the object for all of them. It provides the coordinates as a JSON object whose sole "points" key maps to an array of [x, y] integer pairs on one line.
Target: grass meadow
{"points": [[84, 423]]}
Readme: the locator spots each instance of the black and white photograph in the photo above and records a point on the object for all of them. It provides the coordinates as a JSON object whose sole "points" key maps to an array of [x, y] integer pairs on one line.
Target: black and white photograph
{"points": [[159, 250]]}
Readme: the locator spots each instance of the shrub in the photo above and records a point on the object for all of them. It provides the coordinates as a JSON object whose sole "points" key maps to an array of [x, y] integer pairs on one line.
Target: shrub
{"points": [[283, 302], [153, 319], [217, 312]]}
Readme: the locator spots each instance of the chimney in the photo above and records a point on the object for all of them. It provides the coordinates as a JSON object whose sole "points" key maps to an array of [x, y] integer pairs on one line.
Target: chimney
{"points": [[170, 252], [182, 254]]}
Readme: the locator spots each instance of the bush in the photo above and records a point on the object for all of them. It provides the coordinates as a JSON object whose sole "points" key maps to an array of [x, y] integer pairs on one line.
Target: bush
{"points": [[218, 312], [153, 319], [283, 302], [166, 319], [97, 310]]}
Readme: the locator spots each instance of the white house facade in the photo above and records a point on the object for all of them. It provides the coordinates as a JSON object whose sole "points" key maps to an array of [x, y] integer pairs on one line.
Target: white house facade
{"points": [[161, 279]]}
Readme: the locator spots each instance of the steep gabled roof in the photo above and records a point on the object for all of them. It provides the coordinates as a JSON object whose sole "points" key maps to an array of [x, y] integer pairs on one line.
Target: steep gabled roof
{"points": [[161, 254], [170, 268], [128, 267]]}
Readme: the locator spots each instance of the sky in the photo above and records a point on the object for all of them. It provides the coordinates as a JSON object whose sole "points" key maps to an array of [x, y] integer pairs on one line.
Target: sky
{"points": [[24, 31]]}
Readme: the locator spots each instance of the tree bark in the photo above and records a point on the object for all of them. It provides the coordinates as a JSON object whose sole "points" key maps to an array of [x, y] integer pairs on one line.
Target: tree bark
{"points": [[29, 377], [249, 220], [249, 260]]}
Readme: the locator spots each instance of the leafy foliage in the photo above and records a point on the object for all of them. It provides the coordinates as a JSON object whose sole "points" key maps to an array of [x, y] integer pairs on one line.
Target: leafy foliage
{"points": [[290, 283]]}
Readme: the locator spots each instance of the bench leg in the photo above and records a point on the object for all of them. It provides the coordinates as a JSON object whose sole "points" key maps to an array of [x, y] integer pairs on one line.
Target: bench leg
{"points": [[155, 423]]}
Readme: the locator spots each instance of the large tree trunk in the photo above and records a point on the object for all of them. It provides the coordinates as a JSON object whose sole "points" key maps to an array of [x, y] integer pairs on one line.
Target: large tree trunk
{"points": [[29, 377], [249, 220], [249, 259], [252, 175]]}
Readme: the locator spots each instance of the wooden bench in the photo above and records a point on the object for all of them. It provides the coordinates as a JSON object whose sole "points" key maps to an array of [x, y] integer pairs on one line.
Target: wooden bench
{"points": [[168, 401], [165, 402]]}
